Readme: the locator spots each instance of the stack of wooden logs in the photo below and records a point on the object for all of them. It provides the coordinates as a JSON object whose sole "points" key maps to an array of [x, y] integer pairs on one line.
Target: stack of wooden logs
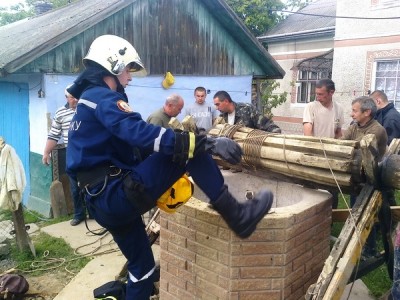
{"points": [[324, 161]]}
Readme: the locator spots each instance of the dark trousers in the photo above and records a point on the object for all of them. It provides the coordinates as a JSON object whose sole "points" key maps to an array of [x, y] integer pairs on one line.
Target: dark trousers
{"points": [[120, 216], [79, 210]]}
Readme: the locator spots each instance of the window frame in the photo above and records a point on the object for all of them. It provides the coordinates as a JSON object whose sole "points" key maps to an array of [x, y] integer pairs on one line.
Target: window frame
{"points": [[310, 85], [395, 99]]}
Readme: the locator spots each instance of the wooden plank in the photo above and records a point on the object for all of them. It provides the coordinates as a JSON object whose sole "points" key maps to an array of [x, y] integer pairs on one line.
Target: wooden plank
{"points": [[346, 252], [353, 250], [318, 290], [57, 199], [370, 156], [341, 214]]}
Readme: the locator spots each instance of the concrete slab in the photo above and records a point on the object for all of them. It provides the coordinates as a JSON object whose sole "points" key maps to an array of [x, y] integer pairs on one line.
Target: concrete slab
{"points": [[100, 270], [80, 238], [359, 291]]}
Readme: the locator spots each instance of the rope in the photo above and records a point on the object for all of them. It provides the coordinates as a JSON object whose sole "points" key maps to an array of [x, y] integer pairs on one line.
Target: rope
{"points": [[252, 146], [51, 263], [351, 216]]}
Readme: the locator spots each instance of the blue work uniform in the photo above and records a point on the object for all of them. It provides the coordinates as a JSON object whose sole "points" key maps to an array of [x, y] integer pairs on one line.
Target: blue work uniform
{"points": [[105, 131]]}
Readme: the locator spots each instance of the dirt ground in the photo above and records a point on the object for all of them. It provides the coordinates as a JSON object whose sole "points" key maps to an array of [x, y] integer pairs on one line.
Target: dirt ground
{"points": [[47, 286]]}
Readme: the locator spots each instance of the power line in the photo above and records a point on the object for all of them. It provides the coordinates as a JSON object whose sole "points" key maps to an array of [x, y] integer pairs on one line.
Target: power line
{"points": [[336, 17]]}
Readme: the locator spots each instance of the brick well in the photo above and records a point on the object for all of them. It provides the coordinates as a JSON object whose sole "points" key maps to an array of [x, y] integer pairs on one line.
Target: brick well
{"points": [[202, 259]]}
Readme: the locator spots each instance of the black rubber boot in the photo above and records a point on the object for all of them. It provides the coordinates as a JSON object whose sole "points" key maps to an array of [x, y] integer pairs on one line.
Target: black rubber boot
{"points": [[243, 217]]}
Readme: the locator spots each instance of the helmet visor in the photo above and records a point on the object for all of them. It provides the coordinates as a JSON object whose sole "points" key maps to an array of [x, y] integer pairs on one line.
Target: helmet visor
{"points": [[137, 70]]}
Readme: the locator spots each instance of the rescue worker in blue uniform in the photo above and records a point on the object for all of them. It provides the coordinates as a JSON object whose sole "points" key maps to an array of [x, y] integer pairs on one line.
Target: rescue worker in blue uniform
{"points": [[108, 155]]}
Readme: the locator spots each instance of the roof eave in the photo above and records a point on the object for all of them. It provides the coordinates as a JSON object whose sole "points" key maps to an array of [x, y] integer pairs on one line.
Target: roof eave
{"points": [[58, 39], [328, 31]]}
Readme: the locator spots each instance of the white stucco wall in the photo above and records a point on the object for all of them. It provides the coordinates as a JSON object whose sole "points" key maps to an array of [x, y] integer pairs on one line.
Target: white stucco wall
{"points": [[347, 28], [358, 44], [288, 54]]}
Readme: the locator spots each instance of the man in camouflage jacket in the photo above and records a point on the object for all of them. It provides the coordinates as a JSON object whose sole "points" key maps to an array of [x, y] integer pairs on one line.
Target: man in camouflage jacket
{"points": [[242, 113]]}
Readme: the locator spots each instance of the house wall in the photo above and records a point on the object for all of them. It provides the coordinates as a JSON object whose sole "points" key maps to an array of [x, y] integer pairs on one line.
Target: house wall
{"points": [[38, 178], [356, 50], [288, 53], [357, 44], [182, 37]]}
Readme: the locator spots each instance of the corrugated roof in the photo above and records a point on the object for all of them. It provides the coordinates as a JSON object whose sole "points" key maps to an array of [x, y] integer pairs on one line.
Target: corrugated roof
{"points": [[24, 41], [305, 23]]}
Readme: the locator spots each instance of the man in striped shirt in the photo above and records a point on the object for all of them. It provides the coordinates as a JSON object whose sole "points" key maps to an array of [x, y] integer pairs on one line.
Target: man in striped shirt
{"points": [[59, 132]]}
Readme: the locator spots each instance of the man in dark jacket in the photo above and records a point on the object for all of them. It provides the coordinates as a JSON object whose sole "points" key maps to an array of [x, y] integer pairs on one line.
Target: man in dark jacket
{"points": [[387, 115]]}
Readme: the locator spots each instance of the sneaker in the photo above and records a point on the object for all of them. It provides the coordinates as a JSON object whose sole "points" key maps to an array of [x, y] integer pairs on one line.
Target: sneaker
{"points": [[75, 222]]}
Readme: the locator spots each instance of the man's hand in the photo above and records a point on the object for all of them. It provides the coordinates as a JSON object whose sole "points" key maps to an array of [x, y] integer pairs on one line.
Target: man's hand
{"points": [[46, 159]]}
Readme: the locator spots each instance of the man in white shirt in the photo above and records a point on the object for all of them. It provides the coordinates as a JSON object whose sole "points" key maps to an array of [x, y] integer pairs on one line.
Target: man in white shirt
{"points": [[203, 113], [324, 117]]}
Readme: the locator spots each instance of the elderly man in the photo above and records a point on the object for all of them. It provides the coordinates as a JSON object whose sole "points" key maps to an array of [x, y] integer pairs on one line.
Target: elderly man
{"points": [[172, 107], [363, 112]]}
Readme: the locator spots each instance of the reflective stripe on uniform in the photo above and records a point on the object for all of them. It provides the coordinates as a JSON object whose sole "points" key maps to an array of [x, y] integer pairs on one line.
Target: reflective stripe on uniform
{"points": [[87, 103], [192, 142], [134, 279], [157, 141]]}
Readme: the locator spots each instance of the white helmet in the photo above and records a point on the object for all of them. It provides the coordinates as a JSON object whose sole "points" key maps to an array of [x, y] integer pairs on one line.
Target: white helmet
{"points": [[114, 54]]}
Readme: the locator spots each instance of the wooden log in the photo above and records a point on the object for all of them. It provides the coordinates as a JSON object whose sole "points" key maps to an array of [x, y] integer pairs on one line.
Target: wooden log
{"points": [[220, 130], [311, 146], [175, 124], [189, 124], [390, 171], [369, 152], [308, 173], [394, 147], [305, 159], [356, 159], [310, 159]]}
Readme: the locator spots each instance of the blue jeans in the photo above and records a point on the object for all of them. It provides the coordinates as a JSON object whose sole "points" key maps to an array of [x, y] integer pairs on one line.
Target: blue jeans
{"points": [[79, 210]]}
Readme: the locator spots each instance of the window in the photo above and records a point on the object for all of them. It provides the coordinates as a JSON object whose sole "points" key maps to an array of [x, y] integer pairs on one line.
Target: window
{"points": [[387, 79], [310, 70], [306, 85]]}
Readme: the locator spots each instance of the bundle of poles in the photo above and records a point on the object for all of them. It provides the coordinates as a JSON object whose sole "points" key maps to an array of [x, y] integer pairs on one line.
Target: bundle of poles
{"points": [[321, 162]]}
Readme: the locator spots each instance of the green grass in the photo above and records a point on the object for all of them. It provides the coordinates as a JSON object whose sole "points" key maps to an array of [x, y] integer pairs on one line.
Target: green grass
{"points": [[51, 253], [377, 281]]}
